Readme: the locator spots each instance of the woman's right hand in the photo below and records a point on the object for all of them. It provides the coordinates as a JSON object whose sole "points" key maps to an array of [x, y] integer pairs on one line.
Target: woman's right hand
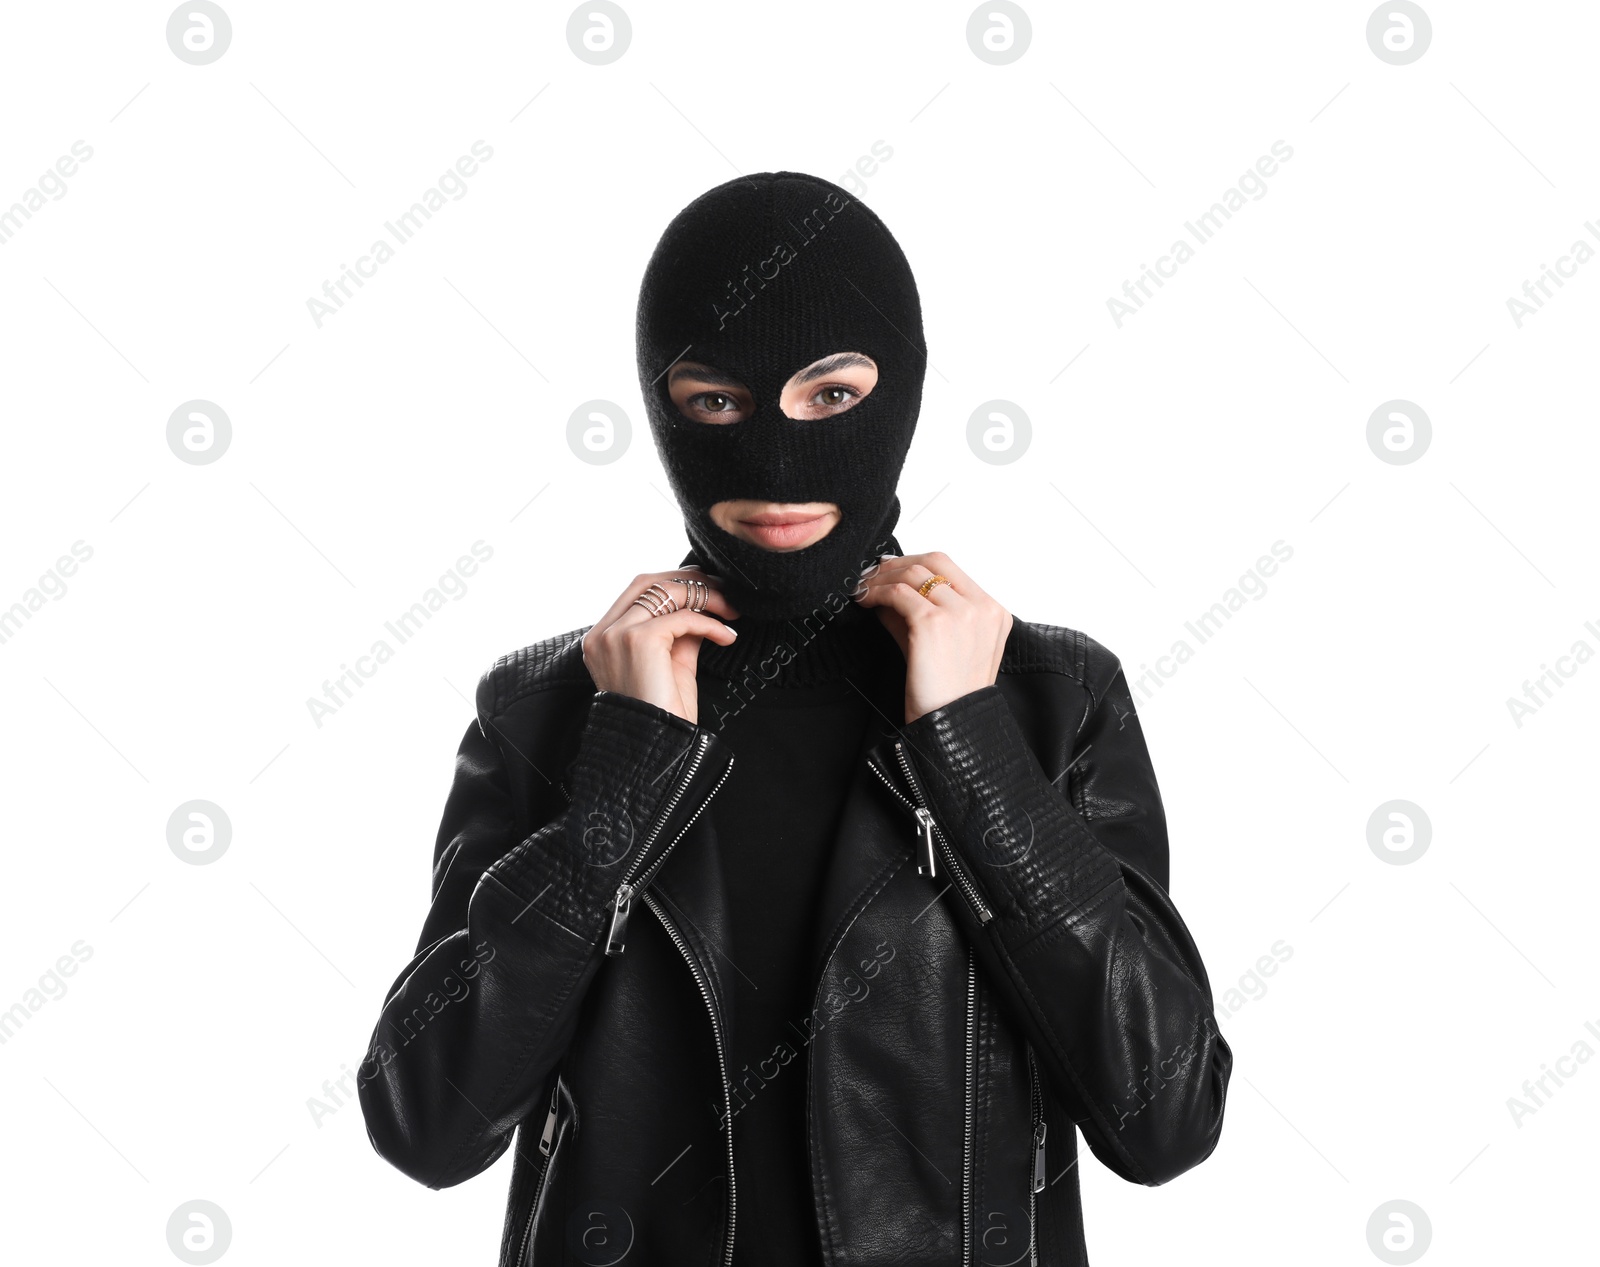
{"points": [[654, 658]]}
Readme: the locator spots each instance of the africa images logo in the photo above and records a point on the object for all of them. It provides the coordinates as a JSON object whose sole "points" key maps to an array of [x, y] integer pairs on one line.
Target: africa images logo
{"points": [[741, 292]]}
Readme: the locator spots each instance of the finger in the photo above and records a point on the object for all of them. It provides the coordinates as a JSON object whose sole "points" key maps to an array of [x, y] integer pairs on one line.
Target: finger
{"points": [[621, 603], [685, 623], [901, 598], [944, 565], [938, 563], [716, 601], [896, 570], [915, 575], [904, 569], [685, 653]]}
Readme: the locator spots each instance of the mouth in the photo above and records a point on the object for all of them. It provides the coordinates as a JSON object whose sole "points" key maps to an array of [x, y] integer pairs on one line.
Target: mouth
{"points": [[780, 529]]}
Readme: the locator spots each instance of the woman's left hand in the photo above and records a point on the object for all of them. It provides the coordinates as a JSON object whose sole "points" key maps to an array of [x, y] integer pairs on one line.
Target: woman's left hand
{"points": [[952, 639]]}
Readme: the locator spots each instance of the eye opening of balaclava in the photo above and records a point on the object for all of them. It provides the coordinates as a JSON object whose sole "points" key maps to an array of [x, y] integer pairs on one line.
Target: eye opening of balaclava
{"points": [[759, 278]]}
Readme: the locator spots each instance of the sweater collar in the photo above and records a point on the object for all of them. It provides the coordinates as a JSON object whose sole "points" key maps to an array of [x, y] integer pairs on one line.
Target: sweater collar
{"points": [[837, 639]]}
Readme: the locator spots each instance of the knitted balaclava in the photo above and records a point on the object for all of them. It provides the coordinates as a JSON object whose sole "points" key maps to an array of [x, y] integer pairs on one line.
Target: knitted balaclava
{"points": [[759, 278]]}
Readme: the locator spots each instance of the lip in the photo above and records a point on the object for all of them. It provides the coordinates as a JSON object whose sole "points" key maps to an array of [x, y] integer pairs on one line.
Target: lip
{"points": [[777, 529]]}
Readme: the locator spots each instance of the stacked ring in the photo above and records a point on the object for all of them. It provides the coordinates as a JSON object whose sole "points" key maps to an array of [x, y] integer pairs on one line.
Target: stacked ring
{"points": [[696, 592], [658, 602]]}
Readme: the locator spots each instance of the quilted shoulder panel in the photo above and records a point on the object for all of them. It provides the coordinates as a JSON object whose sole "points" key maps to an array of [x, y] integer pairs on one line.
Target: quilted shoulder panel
{"points": [[1039, 648], [554, 661]]}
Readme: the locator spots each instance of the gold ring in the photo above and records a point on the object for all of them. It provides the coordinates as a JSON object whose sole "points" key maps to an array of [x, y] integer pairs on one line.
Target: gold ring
{"points": [[933, 580]]}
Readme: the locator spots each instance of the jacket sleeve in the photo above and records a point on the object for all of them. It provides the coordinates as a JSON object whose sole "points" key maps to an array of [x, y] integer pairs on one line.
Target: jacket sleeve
{"points": [[1083, 942], [473, 1026]]}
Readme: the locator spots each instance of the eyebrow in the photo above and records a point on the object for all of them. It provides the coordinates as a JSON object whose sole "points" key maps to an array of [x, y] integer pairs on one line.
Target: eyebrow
{"points": [[832, 365], [822, 369], [703, 374]]}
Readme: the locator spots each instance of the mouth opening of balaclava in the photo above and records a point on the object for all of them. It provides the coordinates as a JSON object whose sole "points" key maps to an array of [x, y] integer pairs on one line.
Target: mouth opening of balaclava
{"points": [[759, 278]]}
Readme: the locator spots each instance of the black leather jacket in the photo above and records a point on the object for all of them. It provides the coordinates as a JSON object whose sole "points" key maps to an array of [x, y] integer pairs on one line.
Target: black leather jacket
{"points": [[571, 987]]}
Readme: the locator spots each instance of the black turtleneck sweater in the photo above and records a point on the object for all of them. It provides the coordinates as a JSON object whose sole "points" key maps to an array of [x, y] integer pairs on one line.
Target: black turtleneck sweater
{"points": [[795, 730]]}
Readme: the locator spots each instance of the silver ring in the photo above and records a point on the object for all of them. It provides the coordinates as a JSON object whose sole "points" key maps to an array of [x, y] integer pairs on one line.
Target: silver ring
{"points": [[656, 600], [697, 592]]}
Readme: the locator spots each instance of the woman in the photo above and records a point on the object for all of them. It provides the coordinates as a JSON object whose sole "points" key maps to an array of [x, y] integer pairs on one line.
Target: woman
{"points": [[799, 908]]}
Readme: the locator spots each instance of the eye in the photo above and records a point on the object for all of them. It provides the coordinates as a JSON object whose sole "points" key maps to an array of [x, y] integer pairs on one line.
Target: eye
{"points": [[829, 400], [723, 407], [834, 395], [713, 402], [829, 386]]}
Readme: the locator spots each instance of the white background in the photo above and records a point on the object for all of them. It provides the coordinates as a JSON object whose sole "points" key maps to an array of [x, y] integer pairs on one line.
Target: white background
{"points": [[370, 453]]}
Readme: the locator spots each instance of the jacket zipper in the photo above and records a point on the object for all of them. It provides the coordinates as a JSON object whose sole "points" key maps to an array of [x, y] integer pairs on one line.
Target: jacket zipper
{"points": [[929, 834], [644, 867], [1036, 1184], [722, 1059], [546, 1146], [968, 1233]]}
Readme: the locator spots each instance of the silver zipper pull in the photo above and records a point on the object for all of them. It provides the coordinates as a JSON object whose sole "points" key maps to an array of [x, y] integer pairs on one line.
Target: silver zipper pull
{"points": [[620, 910], [925, 830], [550, 1122], [1038, 1157]]}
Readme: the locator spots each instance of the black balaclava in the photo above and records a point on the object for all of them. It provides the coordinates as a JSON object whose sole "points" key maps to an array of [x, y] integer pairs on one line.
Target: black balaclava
{"points": [[759, 278]]}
